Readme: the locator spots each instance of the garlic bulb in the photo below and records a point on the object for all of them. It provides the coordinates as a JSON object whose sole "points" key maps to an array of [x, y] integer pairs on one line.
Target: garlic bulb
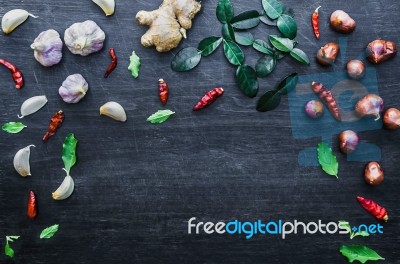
{"points": [[48, 48], [113, 110], [84, 38], [73, 89], [108, 6], [65, 189], [32, 105], [13, 19], [21, 161]]}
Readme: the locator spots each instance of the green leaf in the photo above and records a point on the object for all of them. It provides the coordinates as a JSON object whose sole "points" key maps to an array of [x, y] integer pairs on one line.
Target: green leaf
{"points": [[327, 159], [233, 53], [224, 11], [134, 65], [11, 238], [269, 101], [209, 45], [300, 55], [8, 251], [228, 32], [262, 46], [13, 127], [273, 8], [186, 59], [265, 65], [49, 231], [359, 252], [279, 54], [244, 38], [288, 83], [69, 152], [282, 44], [160, 116], [287, 26], [266, 20], [246, 20], [246, 77]]}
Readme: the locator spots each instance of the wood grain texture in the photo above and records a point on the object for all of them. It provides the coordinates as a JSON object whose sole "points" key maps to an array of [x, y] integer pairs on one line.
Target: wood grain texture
{"points": [[137, 184]]}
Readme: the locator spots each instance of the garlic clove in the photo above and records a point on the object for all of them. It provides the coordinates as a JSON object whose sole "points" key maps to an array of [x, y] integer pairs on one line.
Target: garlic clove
{"points": [[73, 89], [32, 105], [65, 189], [369, 105], [21, 161], [113, 110], [108, 6], [13, 19], [48, 48]]}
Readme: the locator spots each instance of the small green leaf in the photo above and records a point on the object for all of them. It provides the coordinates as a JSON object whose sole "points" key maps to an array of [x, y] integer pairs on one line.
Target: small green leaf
{"points": [[13, 127], [287, 26], [246, 20], [273, 8], [327, 159], [244, 38], [266, 20], [359, 252], [246, 77], [49, 231], [224, 11], [262, 46], [186, 59], [300, 55], [11, 238], [282, 44], [265, 65], [228, 32], [233, 53], [160, 116], [134, 65], [209, 45], [269, 101], [288, 83], [8, 251], [69, 152]]}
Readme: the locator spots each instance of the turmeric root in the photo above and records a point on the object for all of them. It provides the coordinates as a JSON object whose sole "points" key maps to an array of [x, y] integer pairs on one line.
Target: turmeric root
{"points": [[168, 24]]}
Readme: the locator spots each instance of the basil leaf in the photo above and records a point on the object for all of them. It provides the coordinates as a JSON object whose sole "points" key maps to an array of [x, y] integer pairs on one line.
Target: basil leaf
{"points": [[186, 59], [246, 20], [8, 251], [160, 116], [246, 77], [359, 252], [134, 65], [262, 46], [209, 45], [49, 231], [266, 20], [227, 32], [327, 159], [13, 127], [244, 38], [265, 66], [233, 53], [300, 55], [69, 152], [282, 44], [288, 83], [269, 101], [273, 8], [224, 11], [287, 26]]}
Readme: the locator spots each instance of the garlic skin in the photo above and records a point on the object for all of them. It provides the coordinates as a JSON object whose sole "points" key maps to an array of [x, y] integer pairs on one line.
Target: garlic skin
{"points": [[21, 161], [84, 38], [48, 48], [113, 110], [65, 189], [73, 89], [13, 18], [32, 105], [108, 6]]}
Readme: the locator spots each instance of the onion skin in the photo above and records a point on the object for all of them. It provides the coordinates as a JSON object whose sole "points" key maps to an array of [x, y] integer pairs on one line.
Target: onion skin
{"points": [[380, 50], [373, 173], [348, 141], [355, 69], [327, 54], [370, 105], [314, 109], [391, 119], [342, 22]]}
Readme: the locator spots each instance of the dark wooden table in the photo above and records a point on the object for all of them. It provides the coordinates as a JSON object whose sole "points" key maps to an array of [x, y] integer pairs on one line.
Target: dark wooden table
{"points": [[138, 184]]}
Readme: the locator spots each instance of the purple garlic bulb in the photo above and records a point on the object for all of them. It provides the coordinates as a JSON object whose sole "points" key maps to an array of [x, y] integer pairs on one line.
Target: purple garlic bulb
{"points": [[48, 48], [370, 105], [314, 109], [348, 141], [73, 89]]}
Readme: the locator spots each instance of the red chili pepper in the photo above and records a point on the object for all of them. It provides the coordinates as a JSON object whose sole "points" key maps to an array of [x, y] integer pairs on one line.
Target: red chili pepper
{"points": [[326, 96], [163, 91], [55, 124], [113, 63], [209, 98], [32, 207], [373, 208], [315, 22], [16, 73]]}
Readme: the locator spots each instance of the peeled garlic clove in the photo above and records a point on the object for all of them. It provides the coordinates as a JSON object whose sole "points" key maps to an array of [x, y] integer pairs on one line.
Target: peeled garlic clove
{"points": [[48, 48], [108, 6], [113, 110], [370, 105], [13, 19], [32, 105], [21, 161], [73, 89], [65, 189]]}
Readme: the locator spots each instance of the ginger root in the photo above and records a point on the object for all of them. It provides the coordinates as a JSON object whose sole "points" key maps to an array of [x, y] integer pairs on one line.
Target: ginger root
{"points": [[168, 24]]}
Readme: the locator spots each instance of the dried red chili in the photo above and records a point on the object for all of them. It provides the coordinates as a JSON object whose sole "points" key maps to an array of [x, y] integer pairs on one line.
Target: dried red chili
{"points": [[315, 22], [113, 63], [55, 124], [16, 73], [32, 206], [326, 96], [373, 208], [163, 91], [208, 98]]}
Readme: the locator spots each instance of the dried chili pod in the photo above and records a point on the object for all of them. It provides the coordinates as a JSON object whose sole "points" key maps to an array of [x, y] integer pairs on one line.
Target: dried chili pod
{"points": [[326, 96], [16, 73], [208, 98], [373, 208], [55, 124], [163, 91], [32, 205], [113, 63]]}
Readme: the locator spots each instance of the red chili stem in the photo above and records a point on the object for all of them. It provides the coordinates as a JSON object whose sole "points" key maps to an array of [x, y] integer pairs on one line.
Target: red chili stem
{"points": [[16, 73], [32, 206], [208, 98], [326, 96], [373, 208], [55, 124], [315, 22], [113, 64], [163, 91]]}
